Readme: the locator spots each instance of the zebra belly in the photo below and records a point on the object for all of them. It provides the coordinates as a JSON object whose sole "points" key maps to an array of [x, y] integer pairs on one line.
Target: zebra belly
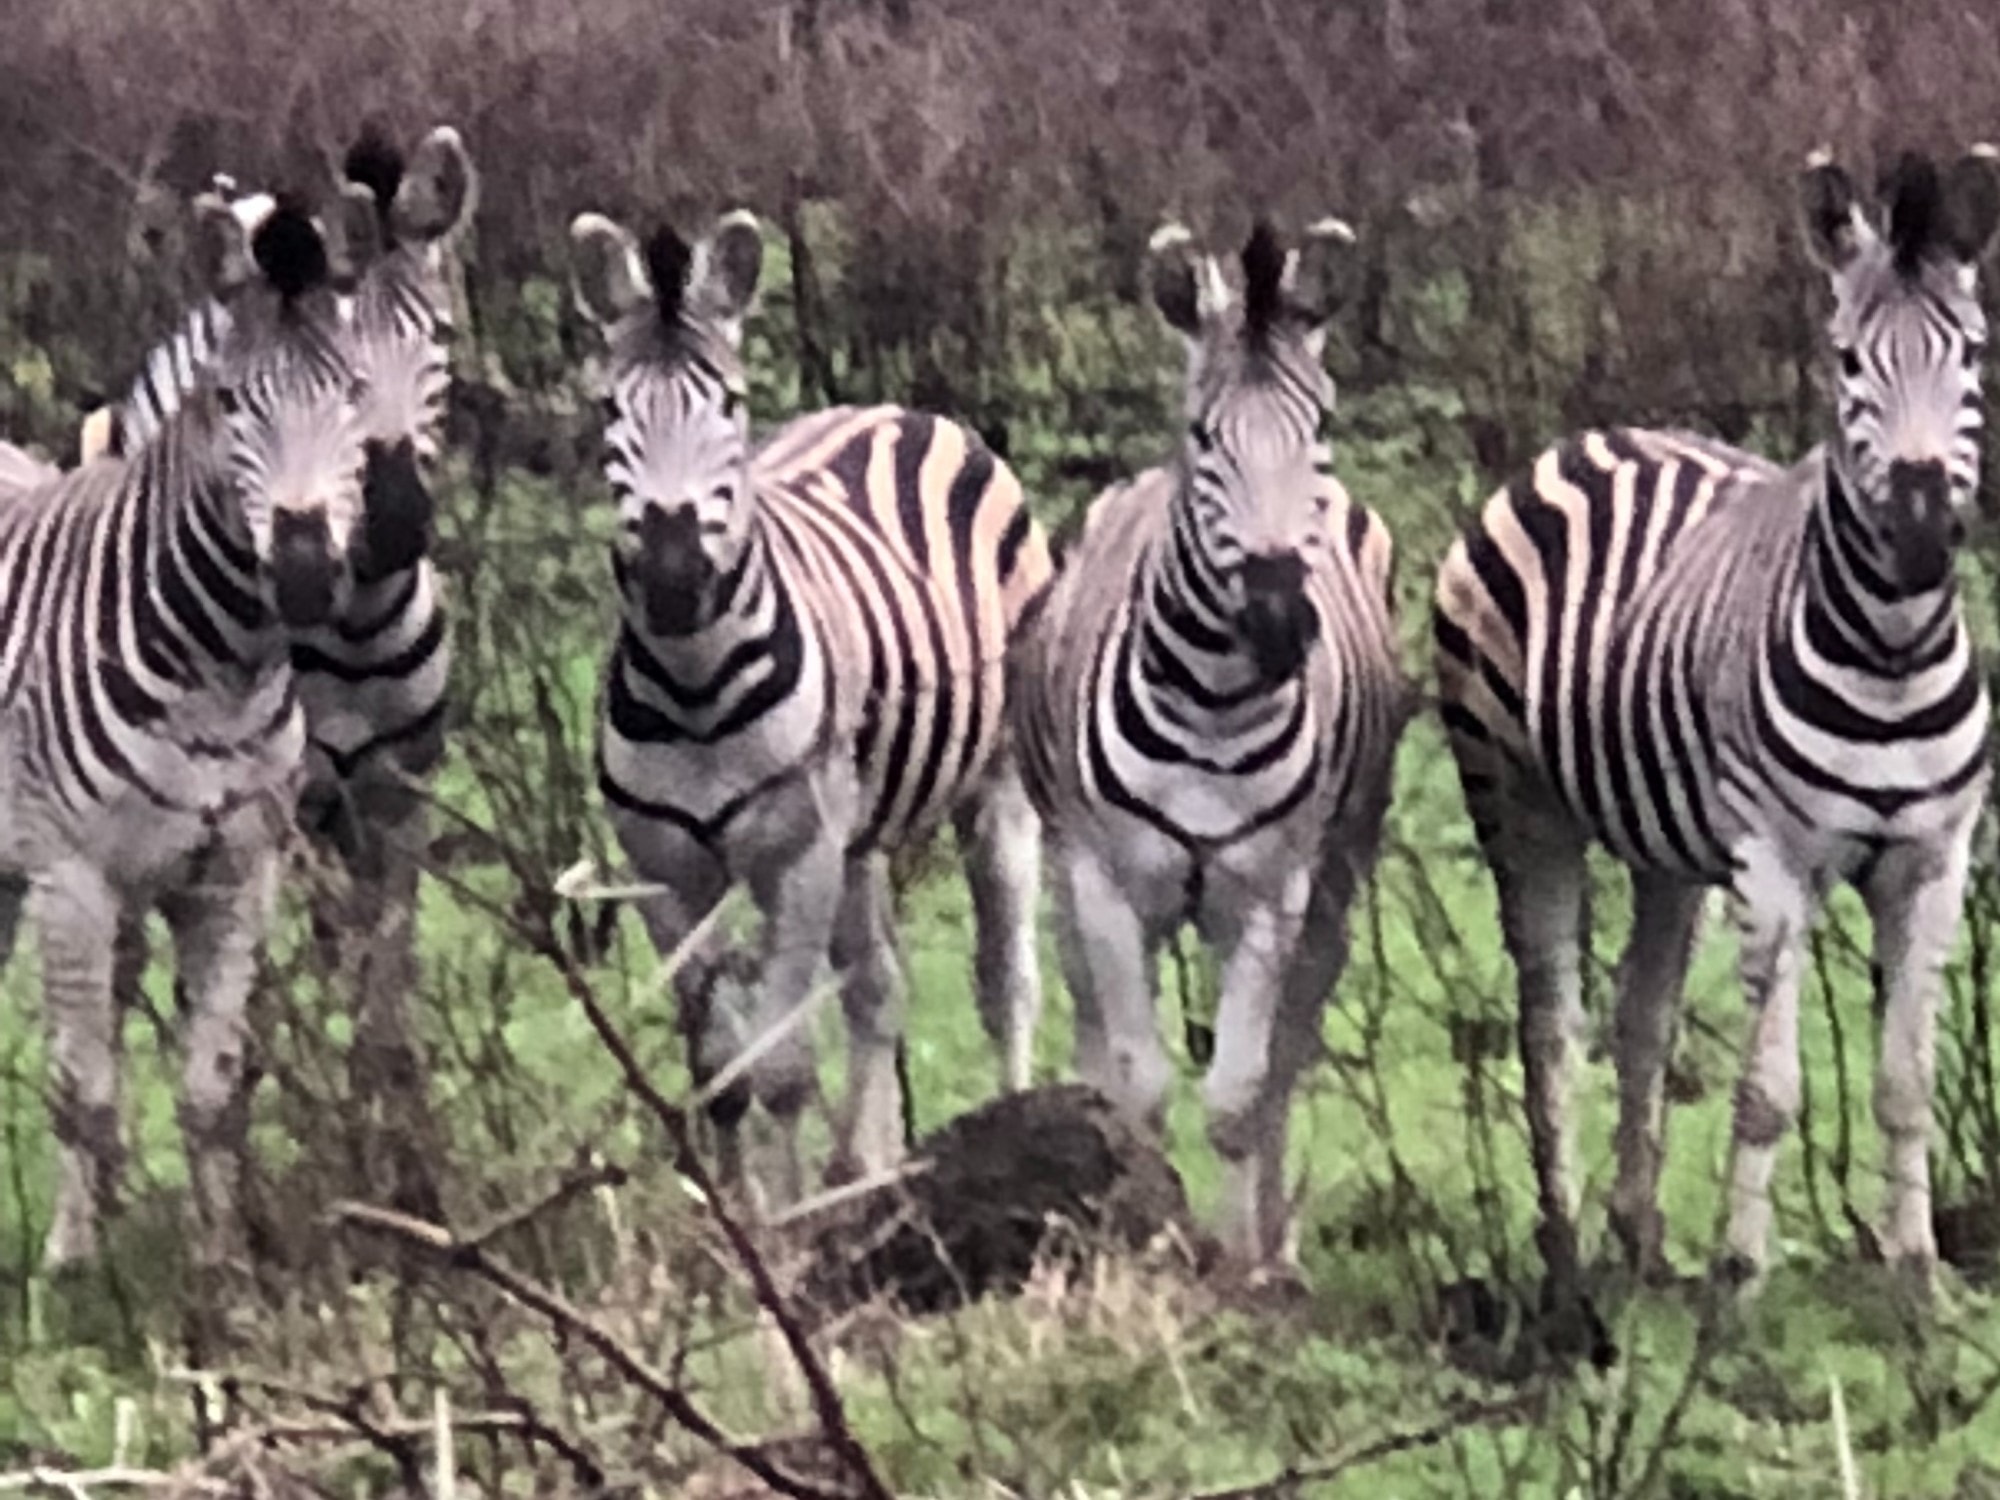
{"points": [[240, 803]]}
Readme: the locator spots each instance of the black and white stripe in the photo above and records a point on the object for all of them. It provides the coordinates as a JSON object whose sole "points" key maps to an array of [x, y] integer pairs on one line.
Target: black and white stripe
{"points": [[809, 673], [1732, 674], [1207, 710], [148, 714]]}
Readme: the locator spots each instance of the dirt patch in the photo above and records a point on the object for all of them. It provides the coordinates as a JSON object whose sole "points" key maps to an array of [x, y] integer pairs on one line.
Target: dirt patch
{"points": [[1000, 1188]]}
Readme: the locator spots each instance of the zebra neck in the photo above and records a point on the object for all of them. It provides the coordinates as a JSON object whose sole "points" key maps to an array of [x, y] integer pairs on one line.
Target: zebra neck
{"points": [[189, 577], [1186, 653], [1849, 611]]}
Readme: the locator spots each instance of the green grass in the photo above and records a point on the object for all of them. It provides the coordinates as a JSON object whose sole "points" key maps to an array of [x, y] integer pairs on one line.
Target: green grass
{"points": [[1138, 1383]]}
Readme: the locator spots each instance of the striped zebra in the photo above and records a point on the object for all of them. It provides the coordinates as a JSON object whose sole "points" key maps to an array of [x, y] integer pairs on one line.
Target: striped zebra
{"points": [[149, 725], [1732, 674], [808, 674], [1206, 712], [372, 679]]}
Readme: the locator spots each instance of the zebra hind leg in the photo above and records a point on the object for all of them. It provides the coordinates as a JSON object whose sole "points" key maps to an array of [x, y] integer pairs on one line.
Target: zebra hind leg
{"points": [[1540, 879], [1666, 919], [74, 907], [1001, 838], [874, 998]]}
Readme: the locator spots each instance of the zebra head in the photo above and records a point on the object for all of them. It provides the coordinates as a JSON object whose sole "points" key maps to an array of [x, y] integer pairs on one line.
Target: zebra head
{"points": [[283, 395], [402, 331], [677, 444], [1908, 335], [1253, 467]]}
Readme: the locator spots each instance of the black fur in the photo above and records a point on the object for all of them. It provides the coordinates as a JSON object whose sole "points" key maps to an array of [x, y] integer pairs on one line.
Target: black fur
{"points": [[288, 249], [1916, 211], [375, 162], [1263, 276], [668, 258]]}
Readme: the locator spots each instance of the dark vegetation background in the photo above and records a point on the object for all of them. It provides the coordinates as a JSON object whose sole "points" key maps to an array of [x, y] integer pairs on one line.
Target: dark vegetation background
{"points": [[1567, 211]]}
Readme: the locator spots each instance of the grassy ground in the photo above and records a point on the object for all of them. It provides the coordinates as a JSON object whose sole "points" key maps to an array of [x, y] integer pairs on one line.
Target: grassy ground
{"points": [[1412, 1177]]}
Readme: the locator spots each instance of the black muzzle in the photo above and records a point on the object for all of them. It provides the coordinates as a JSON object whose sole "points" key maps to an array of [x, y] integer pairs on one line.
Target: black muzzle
{"points": [[1280, 623], [397, 515], [674, 574], [303, 571], [1924, 529]]}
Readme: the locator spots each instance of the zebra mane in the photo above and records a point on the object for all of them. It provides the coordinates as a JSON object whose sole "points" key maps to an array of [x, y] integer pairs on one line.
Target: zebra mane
{"points": [[289, 251], [1263, 283], [375, 163], [668, 260], [1916, 211]]}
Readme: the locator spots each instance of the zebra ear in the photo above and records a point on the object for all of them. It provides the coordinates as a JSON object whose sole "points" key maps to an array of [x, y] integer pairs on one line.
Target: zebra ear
{"points": [[1972, 204], [354, 233], [221, 248], [1835, 227], [438, 188], [731, 264], [605, 270], [1187, 285], [1321, 273]]}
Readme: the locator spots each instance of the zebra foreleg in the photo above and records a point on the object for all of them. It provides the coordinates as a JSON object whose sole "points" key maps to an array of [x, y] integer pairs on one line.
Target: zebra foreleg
{"points": [[1540, 881], [1773, 909], [712, 1033], [800, 899], [1915, 898], [1666, 916], [874, 998], [1261, 1027], [1108, 962], [74, 908], [1002, 841], [218, 922]]}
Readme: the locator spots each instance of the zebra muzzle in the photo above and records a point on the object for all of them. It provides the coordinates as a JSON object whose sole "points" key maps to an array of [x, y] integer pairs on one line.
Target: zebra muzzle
{"points": [[675, 573], [303, 569], [1926, 527], [1279, 621]]}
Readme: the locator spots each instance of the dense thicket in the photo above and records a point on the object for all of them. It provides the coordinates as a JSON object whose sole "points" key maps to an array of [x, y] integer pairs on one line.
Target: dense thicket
{"points": [[1570, 208]]}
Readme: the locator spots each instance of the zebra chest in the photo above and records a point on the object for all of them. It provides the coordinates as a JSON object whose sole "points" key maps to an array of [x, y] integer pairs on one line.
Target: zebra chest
{"points": [[697, 740], [1205, 776]]}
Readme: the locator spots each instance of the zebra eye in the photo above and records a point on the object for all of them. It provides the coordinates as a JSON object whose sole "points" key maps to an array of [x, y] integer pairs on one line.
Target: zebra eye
{"points": [[227, 398], [1850, 364], [1203, 439], [607, 408], [732, 401], [1975, 351]]}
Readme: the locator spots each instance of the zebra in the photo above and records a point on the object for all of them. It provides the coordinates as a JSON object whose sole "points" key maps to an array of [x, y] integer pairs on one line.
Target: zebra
{"points": [[1734, 674], [151, 741], [807, 674], [1207, 709], [373, 681]]}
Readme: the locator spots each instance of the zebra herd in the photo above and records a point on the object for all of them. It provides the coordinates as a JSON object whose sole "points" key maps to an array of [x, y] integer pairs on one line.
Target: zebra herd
{"points": [[838, 637]]}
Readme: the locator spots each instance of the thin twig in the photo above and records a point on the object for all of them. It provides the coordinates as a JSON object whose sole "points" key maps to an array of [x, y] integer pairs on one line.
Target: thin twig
{"points": [[80, 1482]]}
